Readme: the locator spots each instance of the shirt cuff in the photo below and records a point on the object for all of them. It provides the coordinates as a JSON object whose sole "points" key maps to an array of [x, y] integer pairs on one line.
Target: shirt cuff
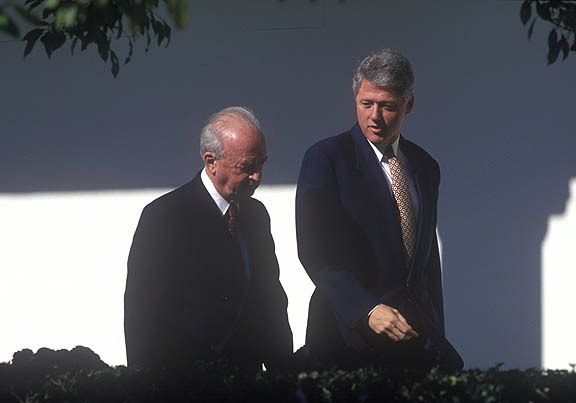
{"points": [[372, 310]]}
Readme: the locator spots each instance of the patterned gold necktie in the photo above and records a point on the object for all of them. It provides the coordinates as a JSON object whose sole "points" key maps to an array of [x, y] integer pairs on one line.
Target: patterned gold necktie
{"points": [[403, 198]]}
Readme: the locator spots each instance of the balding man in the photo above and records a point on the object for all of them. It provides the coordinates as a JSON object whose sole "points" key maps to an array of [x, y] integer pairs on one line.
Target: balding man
{"points": [[202, 272]]}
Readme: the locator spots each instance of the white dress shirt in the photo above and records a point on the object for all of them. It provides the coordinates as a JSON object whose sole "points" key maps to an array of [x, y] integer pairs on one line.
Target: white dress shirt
{"points": [[379, 151], [219, 200]]}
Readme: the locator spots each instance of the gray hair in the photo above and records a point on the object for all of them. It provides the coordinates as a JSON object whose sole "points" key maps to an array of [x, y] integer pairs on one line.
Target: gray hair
{"points": [[386, 68], [211, 134]]}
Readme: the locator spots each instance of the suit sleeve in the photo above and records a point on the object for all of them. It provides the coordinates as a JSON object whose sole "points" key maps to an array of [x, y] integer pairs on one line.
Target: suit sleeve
{"points": [[152, 326], [327, 251], [143, 302], [433, 268]]}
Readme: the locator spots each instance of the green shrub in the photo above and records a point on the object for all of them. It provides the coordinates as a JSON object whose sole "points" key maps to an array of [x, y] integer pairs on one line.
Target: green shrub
{"points": [[80, 376]]}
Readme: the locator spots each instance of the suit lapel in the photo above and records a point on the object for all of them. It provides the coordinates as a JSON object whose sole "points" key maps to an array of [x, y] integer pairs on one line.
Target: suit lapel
{"points": [[203, 217], [377, 188], [423, 196]]}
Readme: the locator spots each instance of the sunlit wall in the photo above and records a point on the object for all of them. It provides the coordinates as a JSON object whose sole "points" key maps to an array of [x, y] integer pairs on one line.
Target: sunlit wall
{"points": [[64, 271], [558, 288], [63, 266]]}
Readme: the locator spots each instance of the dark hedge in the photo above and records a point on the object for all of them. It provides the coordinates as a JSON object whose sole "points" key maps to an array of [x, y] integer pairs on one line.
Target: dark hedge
{"points": [[80, 376]]}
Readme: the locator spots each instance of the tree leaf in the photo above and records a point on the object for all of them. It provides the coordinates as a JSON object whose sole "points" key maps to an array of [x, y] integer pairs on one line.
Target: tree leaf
{"points": [[52, 41], [115, 65], [552, 38], [7, 25], [167, 33], [137, 17], [543, 10], [32, 4], [178, 10], [73, 45], [158, 29], [66, 17], [52, 4], [573, 48], [531, 29], [103, 44], [46, 12], [553, 47], [31, 37], [130, 51], [564, 46], [526, 11], [59, 39], [29, 16], [85, 42], [48, 43], [120, 28]]}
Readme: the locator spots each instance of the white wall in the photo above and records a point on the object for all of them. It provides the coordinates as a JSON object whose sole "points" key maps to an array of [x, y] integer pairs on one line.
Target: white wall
{"points": [[63, 271], [63, 267], [559, 288]]}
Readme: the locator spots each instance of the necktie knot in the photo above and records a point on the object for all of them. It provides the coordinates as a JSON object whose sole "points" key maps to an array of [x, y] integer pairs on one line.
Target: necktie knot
{"points": [[388, 153]]}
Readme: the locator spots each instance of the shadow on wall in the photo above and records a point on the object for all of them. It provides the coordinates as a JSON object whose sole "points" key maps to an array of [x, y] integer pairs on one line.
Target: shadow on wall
{"points": [[495, 220], [497, 119]]}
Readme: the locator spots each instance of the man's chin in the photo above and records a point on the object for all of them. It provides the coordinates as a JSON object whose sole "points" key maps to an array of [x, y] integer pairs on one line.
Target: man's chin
{"points": [[246, 194], [381, 137]]}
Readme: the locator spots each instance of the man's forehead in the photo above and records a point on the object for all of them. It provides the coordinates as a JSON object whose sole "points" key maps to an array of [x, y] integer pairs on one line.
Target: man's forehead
{"points": [[245, 145], [372, 91]]}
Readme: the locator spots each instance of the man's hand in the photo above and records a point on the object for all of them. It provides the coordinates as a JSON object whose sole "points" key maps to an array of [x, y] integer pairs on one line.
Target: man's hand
{"points": [[387, 320]]}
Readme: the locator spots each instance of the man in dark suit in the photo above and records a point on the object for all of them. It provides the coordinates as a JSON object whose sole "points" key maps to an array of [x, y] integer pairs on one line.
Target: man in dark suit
{"points": [[366, 226], [202, 272]]}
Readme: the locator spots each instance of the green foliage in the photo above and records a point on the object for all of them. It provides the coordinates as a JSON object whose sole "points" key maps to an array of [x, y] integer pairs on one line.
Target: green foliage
{"points": [[7, 24], [561, 15], [93, 22], [80, 376]]}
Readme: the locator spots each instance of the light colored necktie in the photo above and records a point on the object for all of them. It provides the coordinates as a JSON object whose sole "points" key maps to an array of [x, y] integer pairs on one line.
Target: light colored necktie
{"points": [[403, 198]]}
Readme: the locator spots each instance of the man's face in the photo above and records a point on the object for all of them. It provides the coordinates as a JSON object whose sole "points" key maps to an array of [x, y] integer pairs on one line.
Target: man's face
{"points": [[380, 112], [238, 174]]}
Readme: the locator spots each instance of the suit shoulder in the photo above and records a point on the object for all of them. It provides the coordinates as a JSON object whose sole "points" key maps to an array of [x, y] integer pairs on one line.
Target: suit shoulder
{"points": [[334, 145], [421, 154], [170, 203], [256, 206], [170, 197]]}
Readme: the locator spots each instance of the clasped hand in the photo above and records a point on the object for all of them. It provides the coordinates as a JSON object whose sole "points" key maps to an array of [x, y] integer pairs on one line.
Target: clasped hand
{"points": [[387, 320]]}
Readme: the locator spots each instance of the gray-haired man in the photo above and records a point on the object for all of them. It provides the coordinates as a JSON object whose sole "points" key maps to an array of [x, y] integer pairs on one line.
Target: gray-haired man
{"points": [[202, 273], [366, 225]]}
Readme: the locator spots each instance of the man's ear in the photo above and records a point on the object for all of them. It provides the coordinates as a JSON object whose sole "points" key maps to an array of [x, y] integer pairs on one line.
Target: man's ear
{"points": [[410, 105], [210, 162]]}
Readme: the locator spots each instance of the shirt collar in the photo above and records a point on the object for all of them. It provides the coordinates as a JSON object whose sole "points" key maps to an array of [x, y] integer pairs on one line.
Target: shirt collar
{"points": [[219, 200], [379, 150]]}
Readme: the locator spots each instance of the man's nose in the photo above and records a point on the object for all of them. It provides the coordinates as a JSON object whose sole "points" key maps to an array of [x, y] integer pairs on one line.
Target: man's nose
{"points": [[375, 113], [256, 175]]}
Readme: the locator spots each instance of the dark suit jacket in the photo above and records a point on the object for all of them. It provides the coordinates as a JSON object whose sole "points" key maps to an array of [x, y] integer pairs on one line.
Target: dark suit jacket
{"points": [[188, 293], [350, 243]]}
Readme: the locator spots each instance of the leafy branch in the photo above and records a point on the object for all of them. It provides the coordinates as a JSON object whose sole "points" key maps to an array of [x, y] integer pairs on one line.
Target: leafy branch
{"points": [[561, 15], [97, 22]]}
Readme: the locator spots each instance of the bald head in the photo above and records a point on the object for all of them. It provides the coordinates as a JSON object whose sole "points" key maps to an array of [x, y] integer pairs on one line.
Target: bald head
{"points": [[234, 151], [223, 122]]}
